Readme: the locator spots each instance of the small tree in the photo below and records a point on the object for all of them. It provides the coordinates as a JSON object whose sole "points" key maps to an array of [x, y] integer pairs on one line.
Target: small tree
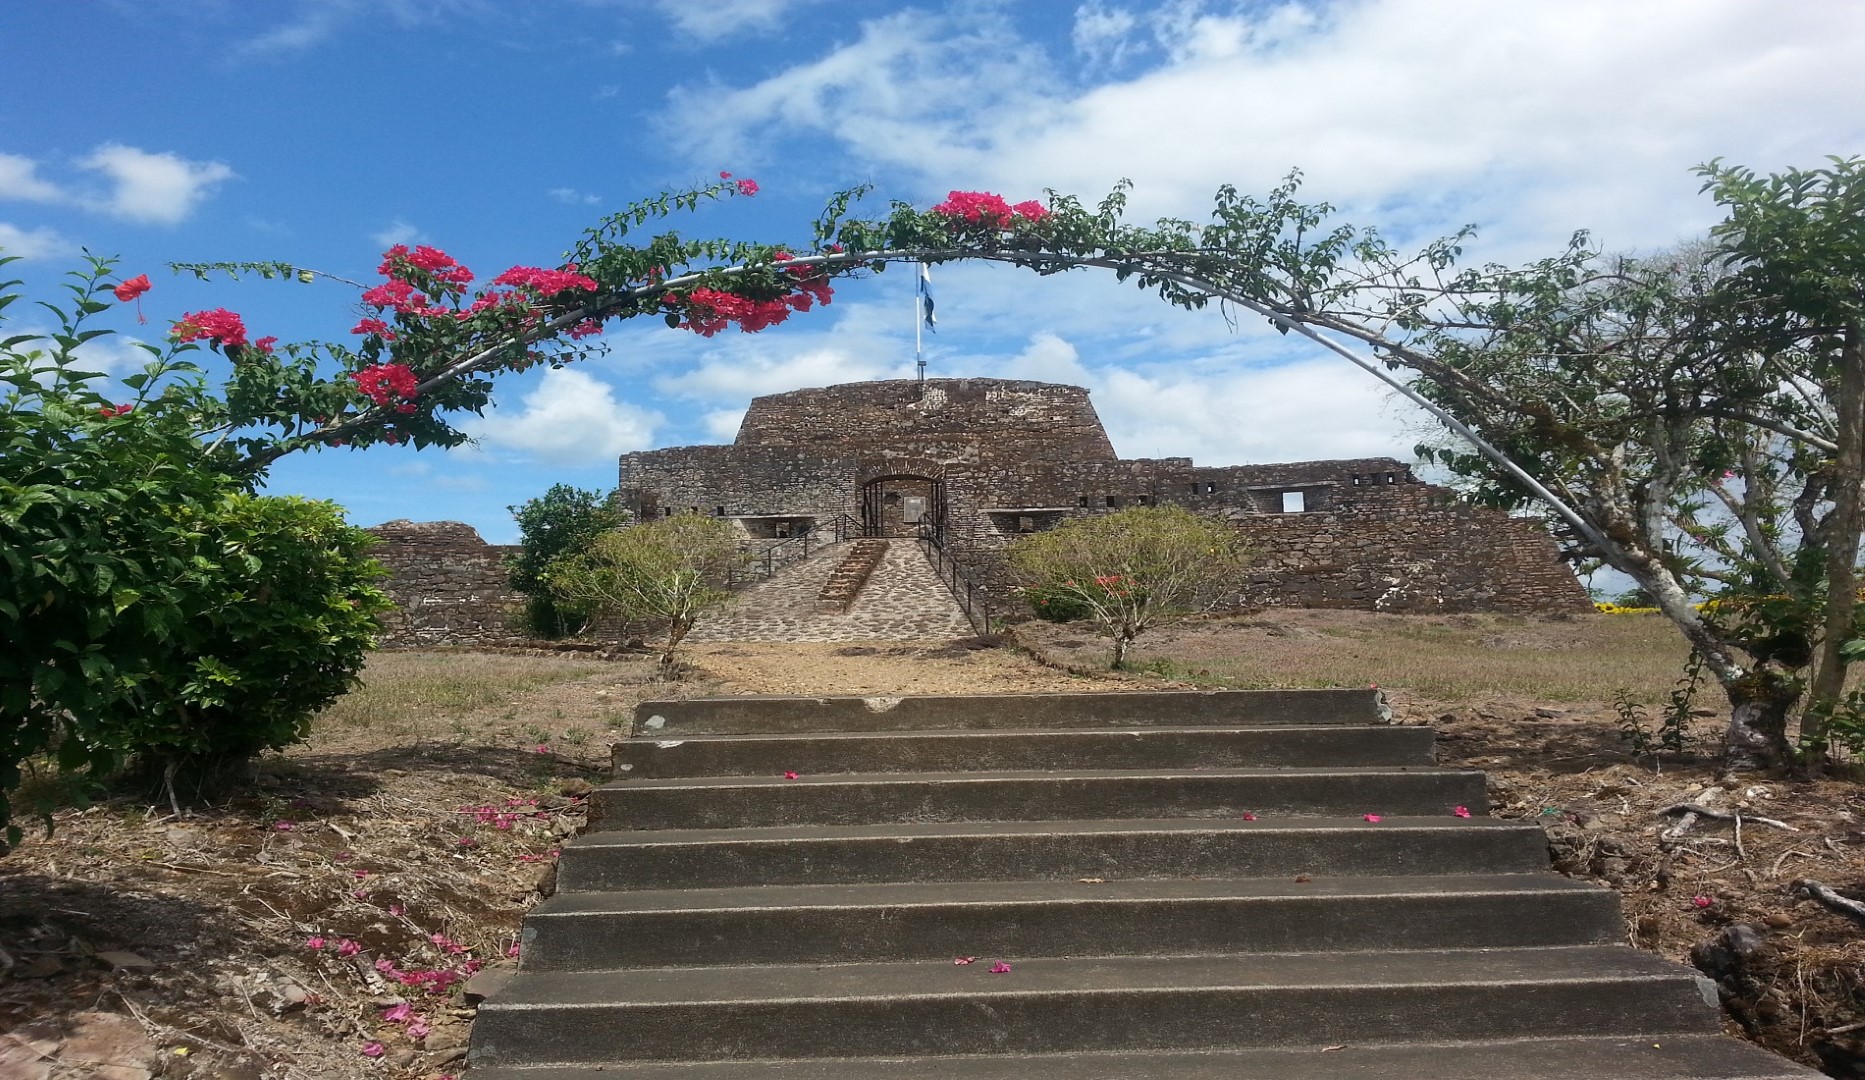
{"points": [[562, 521], [669, 571], [1134, 569]]}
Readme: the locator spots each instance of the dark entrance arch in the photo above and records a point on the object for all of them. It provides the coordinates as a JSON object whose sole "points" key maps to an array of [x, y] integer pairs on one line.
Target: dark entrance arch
{"points": [[903, 505]]}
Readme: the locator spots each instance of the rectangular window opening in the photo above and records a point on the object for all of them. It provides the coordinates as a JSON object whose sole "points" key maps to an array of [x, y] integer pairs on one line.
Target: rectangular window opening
{"points": [[1294, 502], [1210, 489], [1113, 500], [1083, 501]]}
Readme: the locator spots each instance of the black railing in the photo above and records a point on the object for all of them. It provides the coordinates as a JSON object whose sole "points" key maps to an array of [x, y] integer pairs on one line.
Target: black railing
{"points": [[761, 563], [972, 598]]}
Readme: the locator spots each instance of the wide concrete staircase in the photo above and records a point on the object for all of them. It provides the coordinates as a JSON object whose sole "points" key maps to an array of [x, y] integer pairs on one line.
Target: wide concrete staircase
{"points": [[1183, 886]]}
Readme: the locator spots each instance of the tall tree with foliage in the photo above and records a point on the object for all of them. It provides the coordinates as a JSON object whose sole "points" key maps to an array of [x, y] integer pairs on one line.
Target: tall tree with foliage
{"points": [[1134, 569], [666, 574], [562, 521]]}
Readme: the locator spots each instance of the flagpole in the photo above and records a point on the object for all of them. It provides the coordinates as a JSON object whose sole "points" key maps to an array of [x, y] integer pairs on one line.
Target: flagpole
{"points": [[919, 326]]}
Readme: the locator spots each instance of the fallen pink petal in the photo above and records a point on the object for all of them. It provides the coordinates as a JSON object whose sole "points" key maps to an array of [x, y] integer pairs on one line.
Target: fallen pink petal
{"points": [[314, 943], [790, 776], [1462, 811], [1000, 968], [284, 826], [1372, 817], [961, 960], [346, 947], [396, 1014], [1701, 901], [419, 1029], [372, 1049], [1247, 816]]}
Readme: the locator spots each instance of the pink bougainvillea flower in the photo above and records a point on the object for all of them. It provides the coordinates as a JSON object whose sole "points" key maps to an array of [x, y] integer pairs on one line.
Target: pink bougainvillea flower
{"points": [[265, 344], [540, 748], [372, 1049], [1031, 211], [397, 1013], [1701, 901], [314, 943], [547, 282], [397, 910], [1462, 811], [746, 186], [370, 325], [284, 826], [1247, 816], [219, 326], [586, 328], [976, 208], [512, 950], [1371, 817], [723, 175], [346, 947], [1000, 968], [359, 874], [386, 384], [359, 894], [418, 1029], [131, 288], [467, 841], [788, 775], [963, 960]]}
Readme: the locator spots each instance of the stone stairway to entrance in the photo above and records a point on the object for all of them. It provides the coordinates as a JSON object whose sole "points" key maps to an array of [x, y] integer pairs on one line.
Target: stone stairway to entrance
{"points": [[1178, 885], [902, 600]]}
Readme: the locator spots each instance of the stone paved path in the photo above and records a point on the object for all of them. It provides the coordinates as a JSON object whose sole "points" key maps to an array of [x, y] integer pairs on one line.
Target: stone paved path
{"points": [[903, 601]]}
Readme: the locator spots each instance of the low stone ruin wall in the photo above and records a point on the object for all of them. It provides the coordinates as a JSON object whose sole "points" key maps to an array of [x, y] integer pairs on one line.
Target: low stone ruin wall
{"points": [[449, 586]]}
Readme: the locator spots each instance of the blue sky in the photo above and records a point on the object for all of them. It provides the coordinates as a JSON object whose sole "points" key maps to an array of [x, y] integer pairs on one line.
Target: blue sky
{"points": [[316, 132]]}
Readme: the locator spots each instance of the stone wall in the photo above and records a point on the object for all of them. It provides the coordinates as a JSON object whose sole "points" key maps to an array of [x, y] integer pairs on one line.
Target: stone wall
{"points": [[449, 586]]}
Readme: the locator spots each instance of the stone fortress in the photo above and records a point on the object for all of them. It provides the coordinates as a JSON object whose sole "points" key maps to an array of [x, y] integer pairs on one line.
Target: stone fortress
{"points": [[977, 462]]}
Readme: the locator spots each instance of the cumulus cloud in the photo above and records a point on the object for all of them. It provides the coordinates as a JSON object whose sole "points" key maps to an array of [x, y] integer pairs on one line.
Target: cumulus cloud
{"points": [[727, 18], [1548, 116], [157, 189], [722, 424], [739, 372], [570, 418], [19, 179], [40, 243], [397, 232]]}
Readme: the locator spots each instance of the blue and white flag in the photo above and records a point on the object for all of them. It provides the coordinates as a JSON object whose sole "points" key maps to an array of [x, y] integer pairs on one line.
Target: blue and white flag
{"points": [[926, 298]]}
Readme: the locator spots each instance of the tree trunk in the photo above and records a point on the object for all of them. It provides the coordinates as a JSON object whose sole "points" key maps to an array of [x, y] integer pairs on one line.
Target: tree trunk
{"points": [[1121, 644], [1757, 736], [1842, 541]]}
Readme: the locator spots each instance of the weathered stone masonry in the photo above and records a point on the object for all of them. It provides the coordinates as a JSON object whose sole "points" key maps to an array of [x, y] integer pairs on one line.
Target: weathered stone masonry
{"points": [[449, 586], [984, 460]]}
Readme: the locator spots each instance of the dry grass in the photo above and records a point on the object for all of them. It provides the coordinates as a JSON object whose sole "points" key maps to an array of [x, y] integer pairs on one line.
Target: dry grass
{"points": [[403, 688], [1448, 657]]}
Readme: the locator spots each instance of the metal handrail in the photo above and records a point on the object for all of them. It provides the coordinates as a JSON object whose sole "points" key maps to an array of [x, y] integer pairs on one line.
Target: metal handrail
{"points": [[972, 599], [766, 562]]}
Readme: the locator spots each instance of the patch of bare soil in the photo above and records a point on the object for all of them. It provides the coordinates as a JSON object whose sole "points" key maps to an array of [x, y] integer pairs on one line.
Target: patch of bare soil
{"points": [[389, 861]]}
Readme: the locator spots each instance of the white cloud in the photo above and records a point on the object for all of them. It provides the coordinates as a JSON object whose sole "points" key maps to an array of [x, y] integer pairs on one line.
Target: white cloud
{"points": [[570, 418], [160, 189], [719, 19], [722, 424], [19, 179], [573, 197], [398, 232], [735, 372], [1533, 118], [37, 243], [1103, 35]]}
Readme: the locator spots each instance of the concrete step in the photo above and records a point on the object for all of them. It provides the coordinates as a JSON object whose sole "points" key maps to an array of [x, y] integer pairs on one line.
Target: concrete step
{"points": [[1040, 712], [1121, 1004], [837, 924], [1057, 795], [1672, 1057], [1048, 850], [975, 751]]}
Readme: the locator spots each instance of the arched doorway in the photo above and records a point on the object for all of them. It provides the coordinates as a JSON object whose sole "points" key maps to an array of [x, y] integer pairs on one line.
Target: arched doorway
{"points": [[902, 505]]}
